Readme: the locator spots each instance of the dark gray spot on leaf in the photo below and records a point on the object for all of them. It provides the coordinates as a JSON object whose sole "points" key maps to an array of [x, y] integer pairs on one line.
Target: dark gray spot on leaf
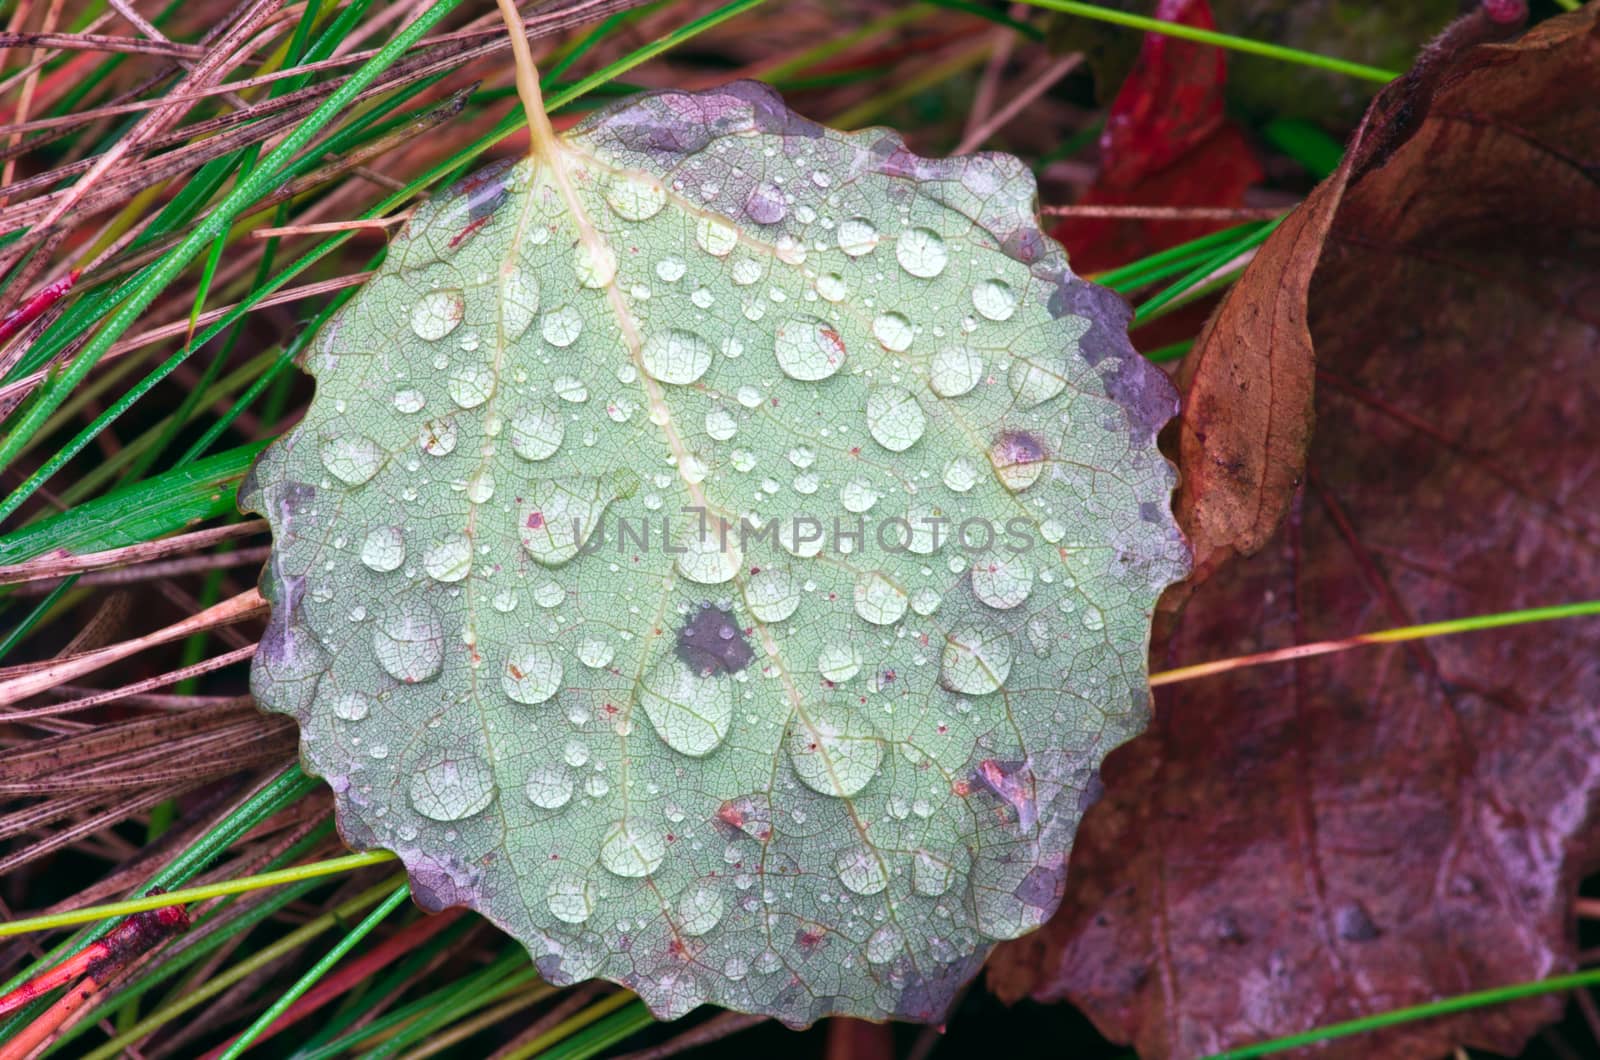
{"points": [[712, 643]]}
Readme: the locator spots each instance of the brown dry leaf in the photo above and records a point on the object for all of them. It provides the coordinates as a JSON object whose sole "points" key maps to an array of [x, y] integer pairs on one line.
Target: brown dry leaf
{"points": [[1247, 385], [1296, 845]]}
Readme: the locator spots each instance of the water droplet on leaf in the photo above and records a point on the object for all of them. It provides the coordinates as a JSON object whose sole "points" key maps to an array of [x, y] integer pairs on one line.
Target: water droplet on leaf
{"points": [[834, 750], [452, 789], [532, 674], [922, 252], [631, 850], [976, 660], [437, 313], [675, 356]]}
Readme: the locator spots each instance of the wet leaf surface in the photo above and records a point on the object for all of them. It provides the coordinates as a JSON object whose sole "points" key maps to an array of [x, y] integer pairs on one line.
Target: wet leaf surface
{"points": [[794, 772], [1296, 845]]}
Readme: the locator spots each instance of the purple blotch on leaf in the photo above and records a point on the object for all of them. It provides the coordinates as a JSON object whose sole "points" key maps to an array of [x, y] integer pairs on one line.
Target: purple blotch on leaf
{"points": [[712, 643]]}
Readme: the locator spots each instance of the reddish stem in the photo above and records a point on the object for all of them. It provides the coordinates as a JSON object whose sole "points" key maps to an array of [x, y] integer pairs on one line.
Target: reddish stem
{"points": [[37, 303], [138, 934]]}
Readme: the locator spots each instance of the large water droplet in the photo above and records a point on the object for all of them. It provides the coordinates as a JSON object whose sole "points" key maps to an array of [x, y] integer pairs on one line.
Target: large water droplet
{"points": [[438, 437], [437, 313], [699, 908], [352, 706], [570, 388], [885, 944], [690, 713], [976, 660], [352, 458], [765, 206], [879, 600], [858, 236], [631, 850], [675, 356], [555, 519], [519, 301], [449, 559], [954, 371], [384, 548], [801, 536], [716, 236], [409, 641], [858, 495], [922, 252], [635, 198], [861, 869], [1002, 583], [595, 264], [570, 898], [771, 594], [532, 674], [838, 663], [480, 487], [893, 331], [933, 871], [452, 788], [720, 424], [994, 299], [834, 750], [709, 558], [1033, 383], [925, 601], [561, 327], [930, 529], [960, 474], [470, 385], [747, 271], [894, 418], [808, 349], [596, 653], [1018, 458], [549, 786], [536, 433]]}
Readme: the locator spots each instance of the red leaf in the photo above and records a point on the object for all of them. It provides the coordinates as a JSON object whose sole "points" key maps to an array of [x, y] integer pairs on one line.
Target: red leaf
{"points": [[1295, 845], [1167, 142], [1171, 102]]}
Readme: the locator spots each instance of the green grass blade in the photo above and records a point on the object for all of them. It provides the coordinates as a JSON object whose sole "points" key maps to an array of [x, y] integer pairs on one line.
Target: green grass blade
{"points": [[140, 512], [249, 965], [458, 997], [1153, 306], [1221, 40], [573, 1043], [215, 223], [89, 914], [316, 972], [282, 790], [1459, 1003], [1171, 261]]}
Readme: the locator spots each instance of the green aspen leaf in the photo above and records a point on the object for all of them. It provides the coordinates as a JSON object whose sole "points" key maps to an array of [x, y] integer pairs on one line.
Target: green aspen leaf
{"points": [[729, 586]]}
